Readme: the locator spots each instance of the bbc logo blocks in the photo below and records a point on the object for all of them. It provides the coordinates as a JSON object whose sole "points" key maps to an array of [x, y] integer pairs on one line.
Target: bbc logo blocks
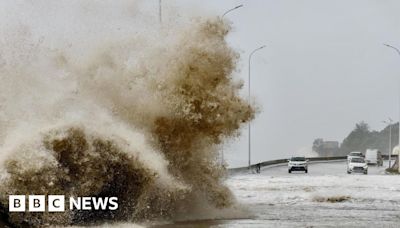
{"points": [[56, 203], [17, 203], [37, 203]]}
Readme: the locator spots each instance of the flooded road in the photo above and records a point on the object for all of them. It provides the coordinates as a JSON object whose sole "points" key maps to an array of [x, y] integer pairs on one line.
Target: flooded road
{"points": [[325, 197]]}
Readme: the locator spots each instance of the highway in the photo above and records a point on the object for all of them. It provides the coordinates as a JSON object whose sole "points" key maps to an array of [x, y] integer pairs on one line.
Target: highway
{"points": [[325, 197]]}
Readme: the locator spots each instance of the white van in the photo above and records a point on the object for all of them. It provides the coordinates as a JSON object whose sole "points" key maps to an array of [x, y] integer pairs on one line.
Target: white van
{"points": [[373, 157]]}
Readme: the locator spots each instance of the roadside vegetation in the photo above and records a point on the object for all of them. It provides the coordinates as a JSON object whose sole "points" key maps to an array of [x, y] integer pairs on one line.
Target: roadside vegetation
{"points": [[362, 138], [392, 171]]}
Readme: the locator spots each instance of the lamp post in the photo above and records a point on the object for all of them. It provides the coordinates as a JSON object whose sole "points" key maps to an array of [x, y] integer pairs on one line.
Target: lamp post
{"points": [[390, 140], [251, 54], [222, 17], [228, 11], [398, 52]]}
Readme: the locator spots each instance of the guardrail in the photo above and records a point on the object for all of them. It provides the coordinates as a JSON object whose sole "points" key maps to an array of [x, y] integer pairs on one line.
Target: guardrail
{"points": [[282, 161]]}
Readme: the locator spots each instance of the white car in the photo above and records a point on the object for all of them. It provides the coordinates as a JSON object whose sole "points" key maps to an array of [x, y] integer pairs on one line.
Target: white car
{"points": [[354, 154], [357, 165], [298, 164]]}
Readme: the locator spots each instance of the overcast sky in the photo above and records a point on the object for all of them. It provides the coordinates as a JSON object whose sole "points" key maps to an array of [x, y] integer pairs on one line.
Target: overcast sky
{"points": [[323, 70]]}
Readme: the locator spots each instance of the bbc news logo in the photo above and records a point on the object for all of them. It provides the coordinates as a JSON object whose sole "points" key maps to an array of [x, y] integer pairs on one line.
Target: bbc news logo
{"points": [[56, 203]]}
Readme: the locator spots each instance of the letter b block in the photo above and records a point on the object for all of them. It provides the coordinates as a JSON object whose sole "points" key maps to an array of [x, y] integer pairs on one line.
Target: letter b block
{"points": [[37, 203], [16, 203]]}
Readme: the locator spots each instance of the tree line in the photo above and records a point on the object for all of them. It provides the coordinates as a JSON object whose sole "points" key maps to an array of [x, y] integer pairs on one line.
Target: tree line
{"points": [[362, 138]]}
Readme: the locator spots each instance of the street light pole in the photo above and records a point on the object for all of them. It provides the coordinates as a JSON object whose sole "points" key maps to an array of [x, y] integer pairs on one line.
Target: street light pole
{"points": [[398, 52], [222, 17], [390, 140], [249, 84], [228, 11], [390, 145]]}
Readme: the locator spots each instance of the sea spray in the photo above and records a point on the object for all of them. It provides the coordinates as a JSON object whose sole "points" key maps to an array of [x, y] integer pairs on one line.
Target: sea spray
{"points": [[139, 118]]}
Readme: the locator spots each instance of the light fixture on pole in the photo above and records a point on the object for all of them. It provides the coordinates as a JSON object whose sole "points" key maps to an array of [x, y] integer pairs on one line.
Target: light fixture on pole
{"points": [[249, 84], [228, 11]]}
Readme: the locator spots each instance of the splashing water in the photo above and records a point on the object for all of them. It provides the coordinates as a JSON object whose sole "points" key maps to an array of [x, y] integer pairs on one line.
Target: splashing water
{"points": [[138, 116]]}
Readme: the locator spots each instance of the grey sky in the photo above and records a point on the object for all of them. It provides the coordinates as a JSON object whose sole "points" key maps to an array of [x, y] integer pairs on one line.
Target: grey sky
{"points": [[323, 70]]}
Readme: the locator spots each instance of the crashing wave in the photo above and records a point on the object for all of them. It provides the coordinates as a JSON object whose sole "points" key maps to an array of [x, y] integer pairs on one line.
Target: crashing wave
{"points": [[139, 122]]}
